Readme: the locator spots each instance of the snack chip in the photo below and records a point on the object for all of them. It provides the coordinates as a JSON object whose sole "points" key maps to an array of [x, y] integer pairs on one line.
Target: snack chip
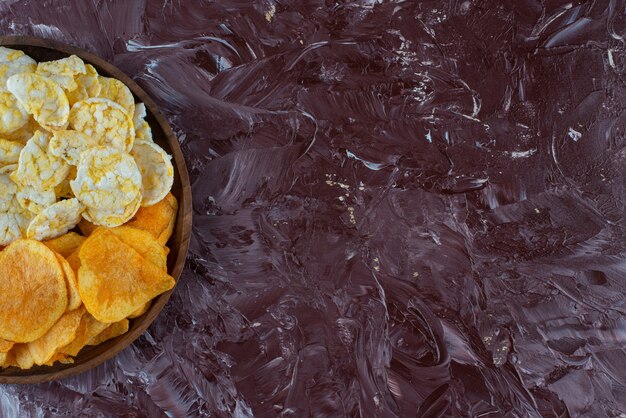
{"points": [[139, 312], [62, 71], [114, 90], [73, 296], [142, 128], [89, 328], [158, 219], [143, 242], [62, 333], [42, 98], [75, 150], [66, 244], [5, 345], [106, 179], [112, 218], [38, 168], [104, 120], [9, 151], [55, 220], [114, 330], [34, 200], [157, 172], [114, 280], [70, 144], [64, 189], [33, 293], [14, 62], [14, 116]]}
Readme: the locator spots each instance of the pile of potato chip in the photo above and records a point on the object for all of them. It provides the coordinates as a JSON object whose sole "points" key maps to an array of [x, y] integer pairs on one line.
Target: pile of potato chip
{"points": [[85, 209]]}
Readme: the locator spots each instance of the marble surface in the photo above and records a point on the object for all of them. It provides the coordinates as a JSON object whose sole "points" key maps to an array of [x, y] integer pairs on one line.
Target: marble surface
{"points": [[402, 208]]}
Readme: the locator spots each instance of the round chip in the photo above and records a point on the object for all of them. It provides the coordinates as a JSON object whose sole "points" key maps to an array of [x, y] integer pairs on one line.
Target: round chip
{"points": [[104, 120], [157, 172], [13, 218], [33, 199], [39, 168], [9, 151], [12, 115], [88, 86], [62, 71], [70, 144], [26, 132], [112, 218], [114, 280], [64, 189], [8, 189], [61, 334], [144, 243], [158, 219], [55, 220], [107, 179], [8, 169], [42, 98], [114, 89], [33, 295], [142, 129], [14, 62]]}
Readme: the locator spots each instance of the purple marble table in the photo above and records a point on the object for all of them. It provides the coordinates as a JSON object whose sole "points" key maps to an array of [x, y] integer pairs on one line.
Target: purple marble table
{"points": [[402, 208]]}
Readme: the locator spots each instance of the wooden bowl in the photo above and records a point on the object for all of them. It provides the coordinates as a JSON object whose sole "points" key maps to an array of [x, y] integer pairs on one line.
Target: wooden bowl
{"points": [[90, 357]]}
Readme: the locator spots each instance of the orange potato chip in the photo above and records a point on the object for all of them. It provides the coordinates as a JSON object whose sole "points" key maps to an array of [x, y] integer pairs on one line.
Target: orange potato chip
{"points": [[144, 243], [6, 359], [22, 357], [114, 280], [62, 333], [89, 327], [61, 358], [73, 297], [74, 262], [65, 244], [86, 227], [114, 330], [33, 294], [140, 311], [5, 345], [158, 219]]}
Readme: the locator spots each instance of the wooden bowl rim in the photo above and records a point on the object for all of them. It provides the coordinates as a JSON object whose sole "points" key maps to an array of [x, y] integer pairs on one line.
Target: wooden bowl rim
{"points": [[181, 234]]}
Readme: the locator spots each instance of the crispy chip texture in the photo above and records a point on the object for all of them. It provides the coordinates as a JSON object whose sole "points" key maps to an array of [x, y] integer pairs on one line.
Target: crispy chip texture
{"points": [[112, 218], [142, 128], [62, 333], [42, 98], [38, 168], [12, 115], [66, 244], [143, 242], [33, 199], [33, 294], [140, 311], [68, 144], [158, 219], [9, 151], [14, 62], [117, 91], [5, 345], [86, 227], [13, 218], [73, 296], [106, 179], [89, 328], [114, 330], [26, 132], [62, 71], [104, 120], [55, 220], [114, 280], [157, 172]]}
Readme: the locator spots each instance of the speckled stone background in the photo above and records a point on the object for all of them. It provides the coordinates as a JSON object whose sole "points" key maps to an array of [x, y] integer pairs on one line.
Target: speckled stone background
{"points": [[402, 208]]}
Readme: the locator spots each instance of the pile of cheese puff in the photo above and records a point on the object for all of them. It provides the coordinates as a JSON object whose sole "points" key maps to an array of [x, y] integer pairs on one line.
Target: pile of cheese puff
{"points": [[76, 154]]}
